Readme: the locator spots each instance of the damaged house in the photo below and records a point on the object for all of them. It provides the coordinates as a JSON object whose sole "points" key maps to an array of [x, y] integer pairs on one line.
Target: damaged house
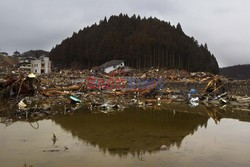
{"points": [[25, 63], [41, 65], [111, 66]]}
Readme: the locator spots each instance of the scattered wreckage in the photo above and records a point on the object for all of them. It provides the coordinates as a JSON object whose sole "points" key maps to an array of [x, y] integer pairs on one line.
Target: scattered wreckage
{"points": [[69, 90]]}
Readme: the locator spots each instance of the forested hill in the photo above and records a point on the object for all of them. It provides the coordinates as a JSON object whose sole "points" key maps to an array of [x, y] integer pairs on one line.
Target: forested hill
{"points": [[35, 53], [141, 42], [237, 72]]}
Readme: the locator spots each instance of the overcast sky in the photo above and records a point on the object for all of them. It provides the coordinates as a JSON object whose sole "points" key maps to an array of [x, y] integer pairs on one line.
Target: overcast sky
{"points": [[41, 24]]}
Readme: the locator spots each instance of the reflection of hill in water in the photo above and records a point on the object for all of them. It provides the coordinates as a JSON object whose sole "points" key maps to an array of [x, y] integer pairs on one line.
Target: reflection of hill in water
{"points": [[132, 131]]}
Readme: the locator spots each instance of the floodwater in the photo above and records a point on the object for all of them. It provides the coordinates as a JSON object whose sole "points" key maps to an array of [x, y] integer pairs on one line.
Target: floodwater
{"points": [[129, 138]]}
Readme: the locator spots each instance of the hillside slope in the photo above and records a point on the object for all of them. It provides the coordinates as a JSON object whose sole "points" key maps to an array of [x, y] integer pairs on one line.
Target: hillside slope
{"points": [[142, 43], [237, 72]]}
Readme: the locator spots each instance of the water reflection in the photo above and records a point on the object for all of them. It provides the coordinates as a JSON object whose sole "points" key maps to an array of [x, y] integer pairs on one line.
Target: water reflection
{"points": [[134, 131], [129, 138]]}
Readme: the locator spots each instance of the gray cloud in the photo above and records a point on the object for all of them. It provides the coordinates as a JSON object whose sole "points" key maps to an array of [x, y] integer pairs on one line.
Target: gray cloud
{"points": [[34, 24]]}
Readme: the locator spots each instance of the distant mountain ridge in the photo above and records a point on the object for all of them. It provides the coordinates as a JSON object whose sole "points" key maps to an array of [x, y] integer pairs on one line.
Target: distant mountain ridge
{"points": [[140, 42], [237, 71], [35, 53]]}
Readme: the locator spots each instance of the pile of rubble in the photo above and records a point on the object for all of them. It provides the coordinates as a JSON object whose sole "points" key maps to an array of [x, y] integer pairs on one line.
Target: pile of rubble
{"points": [[165, 74], [68, 90]]}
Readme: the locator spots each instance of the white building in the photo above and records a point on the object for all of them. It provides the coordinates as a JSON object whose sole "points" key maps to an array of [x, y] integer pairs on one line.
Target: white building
{"points": [[111, 65], [41, 65]]}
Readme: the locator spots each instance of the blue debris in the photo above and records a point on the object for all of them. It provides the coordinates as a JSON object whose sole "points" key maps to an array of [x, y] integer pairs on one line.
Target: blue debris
{"points": [[192, 91]]}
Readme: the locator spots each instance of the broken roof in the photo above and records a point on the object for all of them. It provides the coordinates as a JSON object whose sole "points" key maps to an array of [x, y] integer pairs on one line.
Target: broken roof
{"points": [[111, 63]]}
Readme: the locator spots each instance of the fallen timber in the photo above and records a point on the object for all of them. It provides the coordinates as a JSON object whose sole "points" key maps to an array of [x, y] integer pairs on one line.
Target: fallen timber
{"points": [[55, 89]]}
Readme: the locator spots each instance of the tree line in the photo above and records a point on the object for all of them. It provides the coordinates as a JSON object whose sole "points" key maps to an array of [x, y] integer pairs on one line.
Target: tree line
{"points": [[237, 71], [140, 42]]}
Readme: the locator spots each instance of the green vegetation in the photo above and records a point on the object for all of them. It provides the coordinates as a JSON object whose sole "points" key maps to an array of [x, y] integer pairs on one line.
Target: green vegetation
{"points": [[142, 43]]}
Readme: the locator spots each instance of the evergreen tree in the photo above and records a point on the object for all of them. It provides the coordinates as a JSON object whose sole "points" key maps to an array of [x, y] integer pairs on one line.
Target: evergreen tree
{"points": [[142, 43], [178, 27]]}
